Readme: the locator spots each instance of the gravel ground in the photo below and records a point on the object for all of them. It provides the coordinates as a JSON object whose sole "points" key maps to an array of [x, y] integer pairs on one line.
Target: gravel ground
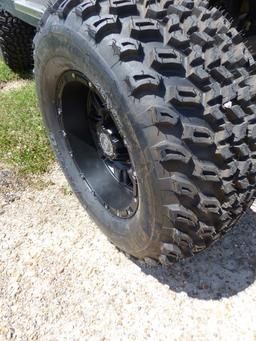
{"points": [[61, 279]]}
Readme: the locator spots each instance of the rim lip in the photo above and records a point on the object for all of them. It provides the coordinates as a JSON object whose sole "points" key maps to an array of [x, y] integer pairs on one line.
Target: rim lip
{"points": [[76, 76]]}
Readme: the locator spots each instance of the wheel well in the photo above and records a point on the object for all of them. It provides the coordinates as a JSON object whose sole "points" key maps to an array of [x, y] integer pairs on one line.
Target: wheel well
{"points": [[242, 12]]}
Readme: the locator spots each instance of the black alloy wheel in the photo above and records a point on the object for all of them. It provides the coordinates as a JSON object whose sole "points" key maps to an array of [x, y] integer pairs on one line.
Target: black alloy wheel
{"points": [[98, 149]]}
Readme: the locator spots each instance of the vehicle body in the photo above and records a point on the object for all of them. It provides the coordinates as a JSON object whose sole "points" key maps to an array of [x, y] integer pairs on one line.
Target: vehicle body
{"points": [[150, 108], [27, 11]]}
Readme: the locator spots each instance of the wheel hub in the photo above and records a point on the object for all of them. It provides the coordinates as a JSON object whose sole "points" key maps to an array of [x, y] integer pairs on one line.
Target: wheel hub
{"points": [[110, 144], [107, 142], [106, 145]]}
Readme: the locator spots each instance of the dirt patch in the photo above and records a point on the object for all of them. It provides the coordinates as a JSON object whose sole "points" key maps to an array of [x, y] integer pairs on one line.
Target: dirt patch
{"points": [[11, 186], [13, 85]]}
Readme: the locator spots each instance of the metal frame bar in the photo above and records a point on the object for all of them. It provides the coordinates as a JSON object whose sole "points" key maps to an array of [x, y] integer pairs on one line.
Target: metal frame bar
{"points": [[25, 10]]}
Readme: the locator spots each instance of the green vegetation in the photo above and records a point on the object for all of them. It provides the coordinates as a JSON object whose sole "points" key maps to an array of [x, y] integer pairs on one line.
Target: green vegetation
{"points": [[23, 141], [6, 74]]}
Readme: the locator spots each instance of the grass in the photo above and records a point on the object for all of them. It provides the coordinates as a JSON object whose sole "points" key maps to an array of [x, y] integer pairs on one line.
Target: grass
{"points": [[6, 75], [23, 141]]}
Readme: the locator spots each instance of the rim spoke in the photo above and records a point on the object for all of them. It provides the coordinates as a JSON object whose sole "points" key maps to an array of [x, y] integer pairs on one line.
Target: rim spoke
{"points": [[121, 176], [121, 169], [125, 178], [121, 165], [94, 110], [133, 181], [97, 107], [89, 103], [122, 172]]}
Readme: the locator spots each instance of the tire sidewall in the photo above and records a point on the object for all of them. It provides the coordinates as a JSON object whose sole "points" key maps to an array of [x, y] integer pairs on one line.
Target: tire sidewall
{"points": [[59, 49]]}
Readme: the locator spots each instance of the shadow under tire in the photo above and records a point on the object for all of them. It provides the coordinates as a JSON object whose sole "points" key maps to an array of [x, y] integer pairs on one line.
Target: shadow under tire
{"points": [[16, 39], [172, 79]]}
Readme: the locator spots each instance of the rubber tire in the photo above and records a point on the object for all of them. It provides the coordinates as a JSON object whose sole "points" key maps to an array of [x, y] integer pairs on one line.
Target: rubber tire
{"points": [[174, 75], [16, 40]]}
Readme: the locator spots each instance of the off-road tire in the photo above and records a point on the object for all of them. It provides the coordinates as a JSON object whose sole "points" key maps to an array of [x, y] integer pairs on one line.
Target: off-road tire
{"points": [[16, 39], [175, 75]]}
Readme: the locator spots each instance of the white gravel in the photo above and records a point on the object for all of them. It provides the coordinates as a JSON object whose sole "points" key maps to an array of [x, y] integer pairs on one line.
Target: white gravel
{"points": [[61, 279]]}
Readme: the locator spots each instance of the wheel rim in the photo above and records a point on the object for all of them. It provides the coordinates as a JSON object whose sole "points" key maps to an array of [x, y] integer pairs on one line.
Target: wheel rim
{"points": [[98, 149]]}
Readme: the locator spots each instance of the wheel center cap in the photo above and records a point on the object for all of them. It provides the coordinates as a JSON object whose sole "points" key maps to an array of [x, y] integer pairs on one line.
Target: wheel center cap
{"points": [[106, 144]]}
